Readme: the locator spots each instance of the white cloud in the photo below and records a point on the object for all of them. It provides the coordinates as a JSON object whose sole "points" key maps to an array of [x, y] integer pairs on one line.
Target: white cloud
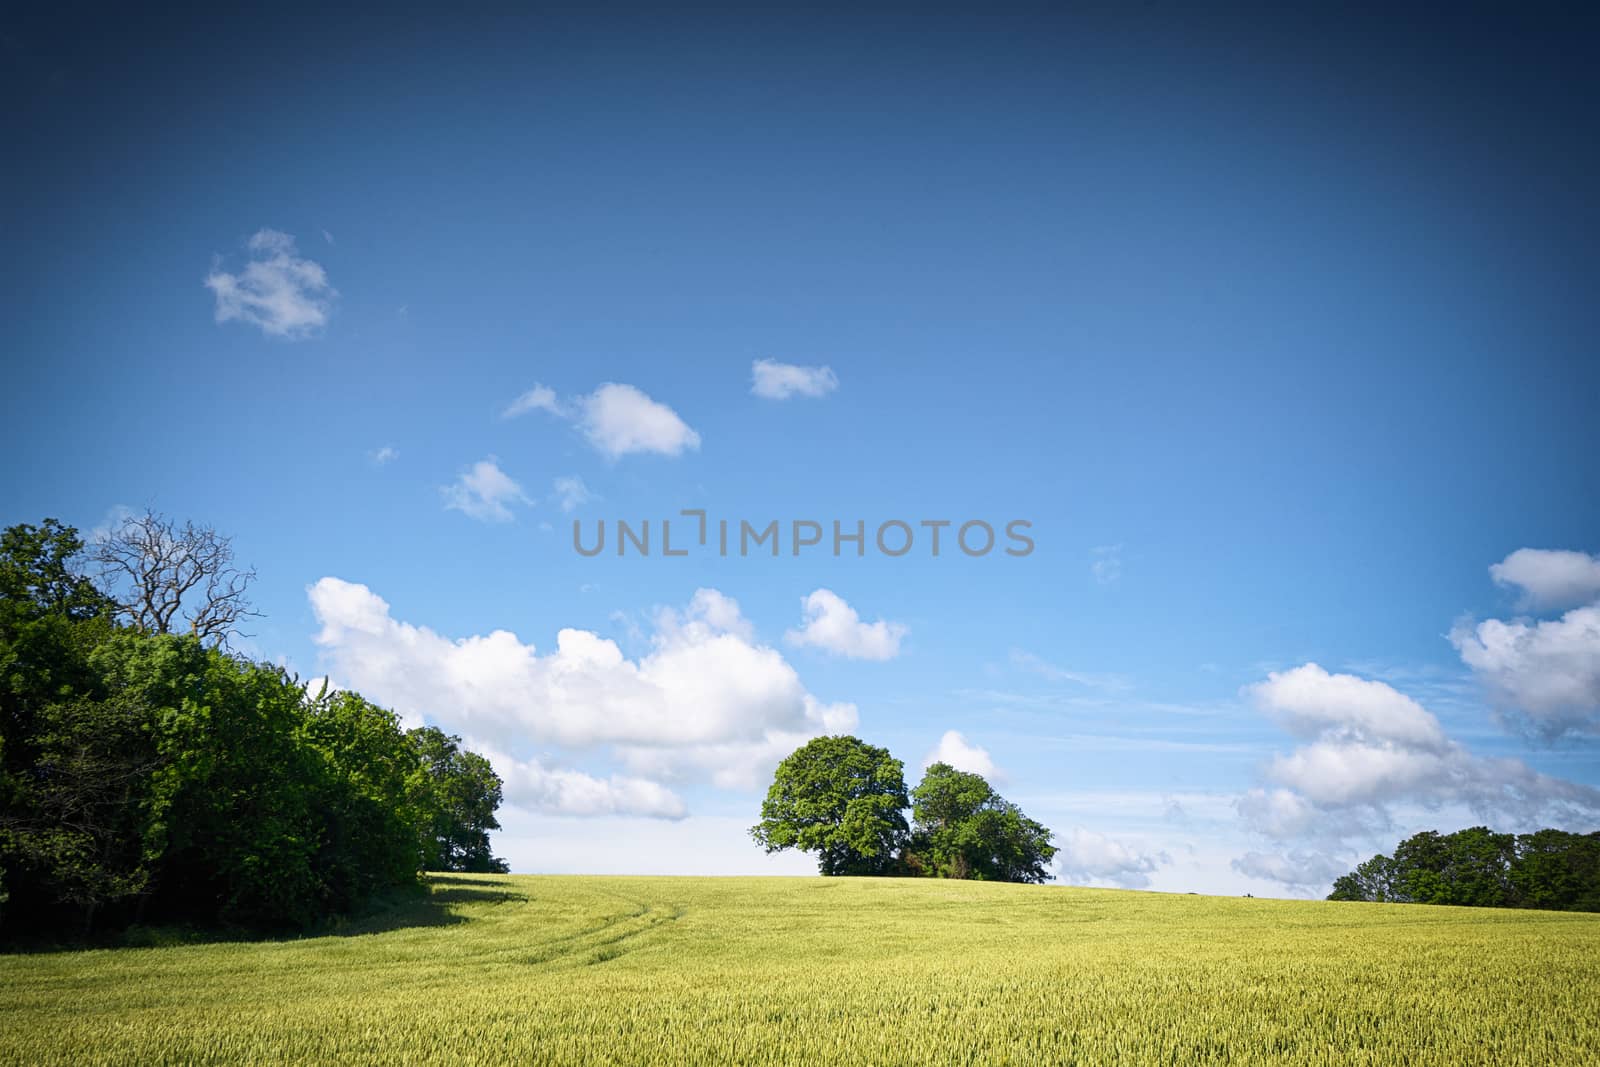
{"points": [[1308, 700], [1278, 813], [616, 419], [1299, 868], [833, 625], [531, 785], [386, 454], [737, 765], [955, 750], [278, 290], [780, 381], [539, 398], [1088, 857], [483, 492], [707, 700], [1371, 749], [709, 612], [571, 493], [1550, 578], [697, 845], [1548, 671], [620, 419]]}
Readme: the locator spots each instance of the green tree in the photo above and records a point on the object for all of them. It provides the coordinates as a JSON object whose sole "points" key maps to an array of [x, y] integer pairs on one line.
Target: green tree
{"points": [[372, 826], [76, 824], [964, 829], [1477, 867], [50, 618], [39, 572], [1373, 880], [455, 793], [147, 774], [842, 799], [240, 800], [1557, 870]]}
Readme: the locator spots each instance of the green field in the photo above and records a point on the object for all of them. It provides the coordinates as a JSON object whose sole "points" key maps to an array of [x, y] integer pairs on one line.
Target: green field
{"points": [[754, 970]]}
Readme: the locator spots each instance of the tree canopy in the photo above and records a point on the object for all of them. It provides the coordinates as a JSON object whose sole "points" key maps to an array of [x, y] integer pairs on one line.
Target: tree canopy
{"points": [[1477, 867], [154, 776], [964, 829], [840, 798], [846, 800]]}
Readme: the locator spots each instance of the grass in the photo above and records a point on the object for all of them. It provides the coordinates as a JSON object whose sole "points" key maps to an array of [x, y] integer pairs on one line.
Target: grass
{"points": [[556, 970]]}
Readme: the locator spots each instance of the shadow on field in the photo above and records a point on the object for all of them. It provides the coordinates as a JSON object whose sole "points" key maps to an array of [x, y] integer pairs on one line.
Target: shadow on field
{"points": [[431, 905]]}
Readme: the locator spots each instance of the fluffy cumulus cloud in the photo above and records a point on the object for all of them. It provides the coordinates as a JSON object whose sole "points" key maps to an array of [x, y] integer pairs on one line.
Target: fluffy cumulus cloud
{"points": [[532, 786], [1550, 579], [277, 290], [833, 625], [1308, 701], [1086, 857], [958, 752], [780, 381], [619, 420], [616, 419], [1544, 671], [484, 492], [707, 701], [1368, 749]]}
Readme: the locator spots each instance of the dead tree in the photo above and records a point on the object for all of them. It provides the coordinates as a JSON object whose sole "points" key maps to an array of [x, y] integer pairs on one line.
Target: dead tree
{"points": [[166, 579]]}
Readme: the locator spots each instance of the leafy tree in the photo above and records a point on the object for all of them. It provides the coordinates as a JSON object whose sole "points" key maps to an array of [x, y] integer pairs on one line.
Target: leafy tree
{"points": [[370, 840], [1373, 880], [842, 799], [1479, 868], [455, 793], [1557, 870], [238, 800], [50, 617], [964, 829], [75, 823], [39, 574], [148, 774]]}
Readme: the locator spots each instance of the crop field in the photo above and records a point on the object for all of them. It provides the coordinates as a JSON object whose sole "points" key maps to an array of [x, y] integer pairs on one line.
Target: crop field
{"points": [[500, 969]]}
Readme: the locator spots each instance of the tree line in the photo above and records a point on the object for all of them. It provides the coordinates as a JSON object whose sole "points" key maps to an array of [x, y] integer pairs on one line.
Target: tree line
{"points": [[149, 774], [1476, 867], [846, 801]]}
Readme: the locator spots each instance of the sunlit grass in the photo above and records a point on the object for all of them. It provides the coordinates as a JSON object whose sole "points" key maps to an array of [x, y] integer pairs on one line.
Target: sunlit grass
{"points": [[752, 970]]}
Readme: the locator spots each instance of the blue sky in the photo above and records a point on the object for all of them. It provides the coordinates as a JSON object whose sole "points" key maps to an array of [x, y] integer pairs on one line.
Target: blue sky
{"points": [[1278, 333]]}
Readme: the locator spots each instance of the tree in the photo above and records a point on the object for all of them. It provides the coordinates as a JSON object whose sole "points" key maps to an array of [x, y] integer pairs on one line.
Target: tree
{"points": [[50, 617], [371, 839], [455, 793], [842, 799], [1374, 880], [148, 775], [964, 829], [171, 579], [39, 572], [1557, 870], [1477, 867], [77, 823]]}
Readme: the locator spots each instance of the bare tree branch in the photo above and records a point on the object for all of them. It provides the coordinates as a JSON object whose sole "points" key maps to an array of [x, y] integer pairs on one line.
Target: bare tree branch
{"points": [[166, 579]]}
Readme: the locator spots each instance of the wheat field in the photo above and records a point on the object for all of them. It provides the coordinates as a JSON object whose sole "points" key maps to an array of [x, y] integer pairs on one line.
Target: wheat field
{"points": [[592, 970]]}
